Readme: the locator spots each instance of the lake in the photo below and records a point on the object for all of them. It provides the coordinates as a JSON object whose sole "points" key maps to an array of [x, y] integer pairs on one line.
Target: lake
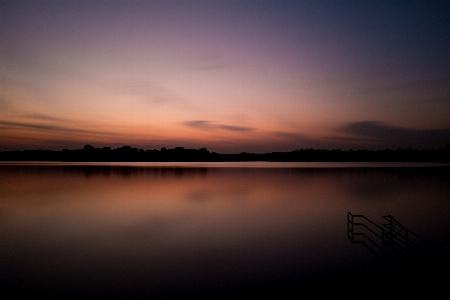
{"points": [[135, 230]]}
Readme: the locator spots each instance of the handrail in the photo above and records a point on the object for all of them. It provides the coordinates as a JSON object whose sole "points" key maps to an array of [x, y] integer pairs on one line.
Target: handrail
{"points": [[397, 223], [362, 216], [394, 236], [368, 229], [352, 223]]}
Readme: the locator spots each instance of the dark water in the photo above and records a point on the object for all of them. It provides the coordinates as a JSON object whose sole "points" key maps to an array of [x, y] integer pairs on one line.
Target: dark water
{"points": [[212, 230]]}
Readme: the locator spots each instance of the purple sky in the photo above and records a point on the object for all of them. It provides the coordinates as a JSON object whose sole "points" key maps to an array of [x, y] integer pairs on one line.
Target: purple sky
{"points": [[231, 76]]}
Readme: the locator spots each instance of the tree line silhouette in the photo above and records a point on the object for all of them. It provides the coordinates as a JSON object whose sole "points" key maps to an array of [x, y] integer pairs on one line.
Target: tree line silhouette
{"points": [[180, 154]]}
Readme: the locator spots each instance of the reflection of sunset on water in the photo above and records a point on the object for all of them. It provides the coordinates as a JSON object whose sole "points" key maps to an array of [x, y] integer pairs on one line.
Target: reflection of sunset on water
{"points": [[195, 222]]}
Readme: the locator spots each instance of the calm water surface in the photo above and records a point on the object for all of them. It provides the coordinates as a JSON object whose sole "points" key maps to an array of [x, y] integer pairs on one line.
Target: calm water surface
{"points": [[213, 229]]}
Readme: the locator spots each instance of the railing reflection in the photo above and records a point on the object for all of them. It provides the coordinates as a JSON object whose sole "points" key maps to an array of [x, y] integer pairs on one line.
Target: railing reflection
{"points": [[388, 240]]}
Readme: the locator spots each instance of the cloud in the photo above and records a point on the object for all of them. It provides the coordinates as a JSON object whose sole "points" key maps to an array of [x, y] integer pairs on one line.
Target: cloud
{"points": [[200, 124], [393, 136], [152, 92], [208, 125], [44, 117], [429, 84], [53, 128], [234, 128], [289, 136]]}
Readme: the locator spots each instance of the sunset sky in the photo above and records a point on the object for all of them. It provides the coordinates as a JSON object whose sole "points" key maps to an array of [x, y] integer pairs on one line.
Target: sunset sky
{"points": [[231, 76]]}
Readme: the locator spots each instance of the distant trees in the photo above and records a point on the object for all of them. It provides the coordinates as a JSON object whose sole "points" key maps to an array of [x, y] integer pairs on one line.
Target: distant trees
{"points": [[88, 147], [128, 153]]}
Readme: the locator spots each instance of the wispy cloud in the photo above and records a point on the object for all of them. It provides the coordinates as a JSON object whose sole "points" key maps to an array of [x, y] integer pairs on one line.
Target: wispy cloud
{"points": [[234, 128], [152, 92], [44, 127], [289, 135], [200, 124], [436, 88], [393, 136], [209, 125], [44, 117]]}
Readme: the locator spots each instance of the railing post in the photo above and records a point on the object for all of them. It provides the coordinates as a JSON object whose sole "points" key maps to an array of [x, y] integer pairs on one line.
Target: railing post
{"points": [[350, 222], [352, 226]]}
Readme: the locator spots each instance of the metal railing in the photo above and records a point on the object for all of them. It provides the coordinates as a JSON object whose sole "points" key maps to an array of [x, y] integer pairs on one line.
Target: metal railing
{"points": [[389, 240]]}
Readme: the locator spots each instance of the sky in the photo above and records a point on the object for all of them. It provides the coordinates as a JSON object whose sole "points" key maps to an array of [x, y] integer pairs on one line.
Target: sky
{"points": [[230, 76]]}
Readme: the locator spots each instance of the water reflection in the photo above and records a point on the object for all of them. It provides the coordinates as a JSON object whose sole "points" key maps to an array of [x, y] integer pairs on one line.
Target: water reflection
{"points": [[139, 230]]}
